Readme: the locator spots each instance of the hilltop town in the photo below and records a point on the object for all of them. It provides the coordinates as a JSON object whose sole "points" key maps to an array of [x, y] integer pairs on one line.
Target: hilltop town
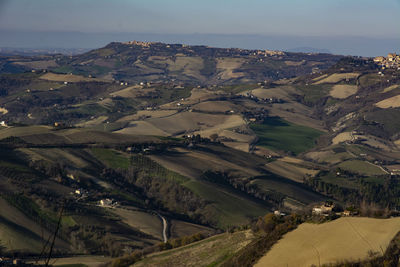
{"points": [[391, 61]]}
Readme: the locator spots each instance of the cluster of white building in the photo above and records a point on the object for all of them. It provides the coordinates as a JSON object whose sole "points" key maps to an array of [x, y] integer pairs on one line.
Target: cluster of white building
{"points": [[391, 61]]}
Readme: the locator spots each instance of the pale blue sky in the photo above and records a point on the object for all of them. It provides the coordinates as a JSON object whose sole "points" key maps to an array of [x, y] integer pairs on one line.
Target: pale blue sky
{"points": [[366, 18]]}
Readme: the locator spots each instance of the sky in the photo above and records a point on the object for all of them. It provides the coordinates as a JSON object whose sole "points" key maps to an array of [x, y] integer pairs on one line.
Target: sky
{"points": [[374, 19]]}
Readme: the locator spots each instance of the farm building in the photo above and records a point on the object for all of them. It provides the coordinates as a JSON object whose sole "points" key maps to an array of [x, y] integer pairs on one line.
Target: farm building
{"points": [[324, 209], [106, 202]]}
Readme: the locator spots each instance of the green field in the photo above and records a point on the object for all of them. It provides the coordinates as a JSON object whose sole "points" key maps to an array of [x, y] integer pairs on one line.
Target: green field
{"points": [[370, 79], [362, 167], [388, 118], [344, 182], [278, 135], [314, 92], [288, 188], [232, 208], [111, 158]]}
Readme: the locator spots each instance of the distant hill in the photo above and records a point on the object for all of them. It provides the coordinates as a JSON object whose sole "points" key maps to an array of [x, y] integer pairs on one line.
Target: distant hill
{"points": [[158, 62]]}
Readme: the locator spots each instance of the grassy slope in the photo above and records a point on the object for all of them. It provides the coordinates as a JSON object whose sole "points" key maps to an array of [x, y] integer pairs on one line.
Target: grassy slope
{"points": [[232, 208], [209, 252], [363, 167], [112, 158], [289, 188], [313, 93], [342, 239], [277, 134], [18, 232]]}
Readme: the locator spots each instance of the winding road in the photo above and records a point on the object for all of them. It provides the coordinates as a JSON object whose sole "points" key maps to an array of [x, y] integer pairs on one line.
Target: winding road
{"points": [[165, 225]]}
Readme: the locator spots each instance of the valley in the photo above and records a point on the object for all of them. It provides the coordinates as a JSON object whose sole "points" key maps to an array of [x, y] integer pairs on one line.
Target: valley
{"points": [[153, 150]]}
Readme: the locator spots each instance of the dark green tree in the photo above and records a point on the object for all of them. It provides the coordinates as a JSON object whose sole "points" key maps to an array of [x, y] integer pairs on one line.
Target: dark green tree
{"points": [[2, 249]]}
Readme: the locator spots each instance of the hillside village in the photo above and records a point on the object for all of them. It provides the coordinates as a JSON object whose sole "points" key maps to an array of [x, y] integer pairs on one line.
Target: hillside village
{"points": [[391, 61]]}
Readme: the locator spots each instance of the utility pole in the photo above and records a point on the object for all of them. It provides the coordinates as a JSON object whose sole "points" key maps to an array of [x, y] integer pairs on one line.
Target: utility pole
{"points": [[55, 235]]}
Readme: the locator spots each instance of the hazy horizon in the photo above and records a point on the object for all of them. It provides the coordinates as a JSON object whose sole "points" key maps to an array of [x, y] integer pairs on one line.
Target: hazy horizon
{"points": [[356, 46], [357, 27]]}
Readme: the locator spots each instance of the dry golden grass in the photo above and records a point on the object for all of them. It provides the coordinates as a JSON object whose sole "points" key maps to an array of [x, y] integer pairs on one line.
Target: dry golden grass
{"points": [[342, 91], [196, 122], [145, 222], [93, 122], [342, 239], [214, 106], [193, 163], [161, 60], [229, 122], [246, 138], [320, 77], [292, 160], [131, 91], [337, 77], [297, 113], [319, 156], [294, 63], [238, 145], [142, 128], [146, 70], [190, 66], [342, 137], [3, 110], [377, 143], [67, 78], [329, 156], [280, 92], [392, 102], [264, 152], [226, 67], [160, 113], [201, 94], [23, 131], [390, 88], [90, 261], [181, 228], [289, 170], [54, 154], [197, 96]]}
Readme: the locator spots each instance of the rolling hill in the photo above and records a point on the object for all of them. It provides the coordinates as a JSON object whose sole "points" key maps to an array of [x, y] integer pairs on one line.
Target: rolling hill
{"points": [[183, 140]]}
